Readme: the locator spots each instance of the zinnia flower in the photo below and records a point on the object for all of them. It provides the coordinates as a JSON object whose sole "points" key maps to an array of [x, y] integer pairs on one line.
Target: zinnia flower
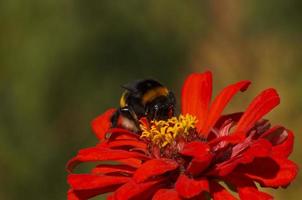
{"points": [[200, 154]]}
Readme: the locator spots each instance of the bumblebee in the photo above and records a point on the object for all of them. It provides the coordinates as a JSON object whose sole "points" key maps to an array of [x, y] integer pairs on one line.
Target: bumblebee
{"points": [[143, 98]]}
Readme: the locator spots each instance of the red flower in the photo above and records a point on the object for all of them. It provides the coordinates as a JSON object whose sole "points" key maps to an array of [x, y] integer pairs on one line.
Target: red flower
{"points": [[189, 156]]}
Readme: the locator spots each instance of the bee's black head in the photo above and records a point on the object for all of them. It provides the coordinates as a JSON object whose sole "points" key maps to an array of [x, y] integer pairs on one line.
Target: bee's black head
{"points": [[161, 108]]}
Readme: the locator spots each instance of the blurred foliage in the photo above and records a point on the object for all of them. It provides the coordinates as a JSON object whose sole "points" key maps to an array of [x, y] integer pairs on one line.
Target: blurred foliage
{"points": [[62, 64]]}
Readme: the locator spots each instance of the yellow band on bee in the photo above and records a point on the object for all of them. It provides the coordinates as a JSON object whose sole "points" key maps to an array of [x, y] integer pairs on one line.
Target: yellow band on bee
{"points": [[153, 93], [123, 100]]}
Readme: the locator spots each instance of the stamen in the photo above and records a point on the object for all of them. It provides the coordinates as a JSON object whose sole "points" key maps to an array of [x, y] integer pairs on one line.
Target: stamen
{"points": [[163, 133]]}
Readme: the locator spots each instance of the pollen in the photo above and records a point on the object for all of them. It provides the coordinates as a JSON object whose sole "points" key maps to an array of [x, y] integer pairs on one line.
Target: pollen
{"points": [[163, 133]]}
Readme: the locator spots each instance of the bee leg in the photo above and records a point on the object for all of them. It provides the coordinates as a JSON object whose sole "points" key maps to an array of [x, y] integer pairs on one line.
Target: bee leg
{"points": [[134, 119], [115, 117]]}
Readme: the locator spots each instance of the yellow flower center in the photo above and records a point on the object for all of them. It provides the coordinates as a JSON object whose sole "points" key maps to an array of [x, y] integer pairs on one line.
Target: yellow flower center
{"points": [[162, 132]]}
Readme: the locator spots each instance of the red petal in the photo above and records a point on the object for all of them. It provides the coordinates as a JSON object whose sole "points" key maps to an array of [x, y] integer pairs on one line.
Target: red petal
{"points": [[145, 122], [233, 139], [196, 96], [282, 140], [261, 148], [88, 181], [107, 168], [234, 117], [189, 188], [201, 156], [137, 191], [126, 143], [247, 190], [261, 105], [154, 167], [71, 195], [86, 185], [218, 192], [220, 103], [102, 123], [120, 133], [195, 149], [166, 194], [252, 193], [286, 147], [270, 172], [197, 166], [101, 154], [132, 162]]}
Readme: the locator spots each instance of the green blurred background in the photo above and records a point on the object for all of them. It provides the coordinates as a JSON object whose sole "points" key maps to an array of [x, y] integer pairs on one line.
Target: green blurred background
{"points": [[62, 64]]}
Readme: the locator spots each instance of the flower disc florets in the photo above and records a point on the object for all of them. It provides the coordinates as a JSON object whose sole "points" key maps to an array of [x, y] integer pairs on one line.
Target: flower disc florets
{"points": [[166, 133], [166, 138]]}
